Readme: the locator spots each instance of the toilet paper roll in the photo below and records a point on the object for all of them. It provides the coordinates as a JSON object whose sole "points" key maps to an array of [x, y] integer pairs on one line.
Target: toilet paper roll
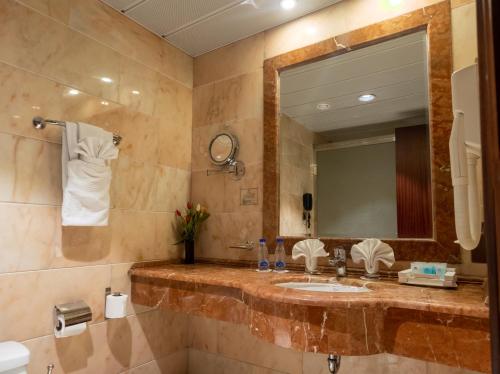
{"points": [[116, 305], [63, 331]]}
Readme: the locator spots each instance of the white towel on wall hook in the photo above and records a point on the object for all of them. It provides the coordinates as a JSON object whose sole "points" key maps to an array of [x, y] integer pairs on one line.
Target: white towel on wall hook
{"points": [[86, 174]]}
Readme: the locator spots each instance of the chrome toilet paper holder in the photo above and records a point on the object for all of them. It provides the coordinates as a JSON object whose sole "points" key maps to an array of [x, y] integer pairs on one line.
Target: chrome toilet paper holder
{"points": [[72, 314]]}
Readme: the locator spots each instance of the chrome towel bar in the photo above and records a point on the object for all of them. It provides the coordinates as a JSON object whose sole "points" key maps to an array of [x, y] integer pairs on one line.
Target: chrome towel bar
{"points": [[40, 123]]}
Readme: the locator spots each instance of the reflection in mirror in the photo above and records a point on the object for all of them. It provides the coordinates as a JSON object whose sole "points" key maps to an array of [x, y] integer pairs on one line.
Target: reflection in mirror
{"points": [[354, 133], [222, 149]]}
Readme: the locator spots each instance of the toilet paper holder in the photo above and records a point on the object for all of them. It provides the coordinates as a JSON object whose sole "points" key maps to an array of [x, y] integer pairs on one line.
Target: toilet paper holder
{"points": [[72, 314]]}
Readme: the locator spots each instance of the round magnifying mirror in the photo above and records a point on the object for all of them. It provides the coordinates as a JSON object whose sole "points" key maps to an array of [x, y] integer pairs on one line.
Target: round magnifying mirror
{"points": [[223, 148]]}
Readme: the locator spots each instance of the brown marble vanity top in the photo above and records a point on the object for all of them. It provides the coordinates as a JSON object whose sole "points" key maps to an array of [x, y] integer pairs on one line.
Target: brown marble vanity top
{"points": [[437, 325], [467, 300]]}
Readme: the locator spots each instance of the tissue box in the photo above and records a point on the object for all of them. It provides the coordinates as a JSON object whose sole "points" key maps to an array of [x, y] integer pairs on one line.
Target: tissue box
{"points": [[449, 281]]}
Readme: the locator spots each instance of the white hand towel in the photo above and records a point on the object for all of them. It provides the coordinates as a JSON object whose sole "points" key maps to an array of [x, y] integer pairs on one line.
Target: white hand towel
{"points": [[86, 175]]}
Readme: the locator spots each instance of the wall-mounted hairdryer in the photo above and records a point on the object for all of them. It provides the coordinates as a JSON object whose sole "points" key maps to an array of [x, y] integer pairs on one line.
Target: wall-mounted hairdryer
{"points": [[307, 202]]}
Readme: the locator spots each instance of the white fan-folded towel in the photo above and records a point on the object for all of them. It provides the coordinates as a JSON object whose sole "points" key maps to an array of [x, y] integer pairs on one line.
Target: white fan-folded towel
{"points": [[311, 249], [86, 174]]}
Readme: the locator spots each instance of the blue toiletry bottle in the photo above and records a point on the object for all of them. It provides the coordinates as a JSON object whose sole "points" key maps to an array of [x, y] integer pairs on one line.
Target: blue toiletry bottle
{"points": [[263, 254], [279, 255]]}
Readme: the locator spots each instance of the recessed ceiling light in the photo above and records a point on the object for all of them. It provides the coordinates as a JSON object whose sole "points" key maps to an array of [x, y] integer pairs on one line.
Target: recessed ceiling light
{"points": [[394, 2], [73, 92], [366, 98], [323, 106], [287, 4], [135, 92], [105, 103], [106, 79], [35, 107]]}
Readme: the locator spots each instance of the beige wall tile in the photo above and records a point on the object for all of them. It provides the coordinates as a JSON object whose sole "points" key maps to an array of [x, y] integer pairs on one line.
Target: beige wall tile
{"points": [[30, 235], [62, 54], [207, 363], [175, 363], [208, 190], [58, 9], [138, 86], [133, 236], [105, 24], [173, 109], [202, 334], [244, 56], [232, 100], [172, 189], [83, 246], [236, 342], [28, 298], [464, 36], [30, 170], [223, 230], [133, 184], [177, 64]]}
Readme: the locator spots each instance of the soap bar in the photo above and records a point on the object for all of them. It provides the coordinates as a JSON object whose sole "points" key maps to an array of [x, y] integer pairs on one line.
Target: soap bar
{"points": [[429, 269]]}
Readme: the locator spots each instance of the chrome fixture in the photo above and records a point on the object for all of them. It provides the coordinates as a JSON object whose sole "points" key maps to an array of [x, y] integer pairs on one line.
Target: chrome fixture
{"points": [[50, 368], [223, 150], [40, 123], [333, 363], [339, 261], [248, 245], [71, 314]]}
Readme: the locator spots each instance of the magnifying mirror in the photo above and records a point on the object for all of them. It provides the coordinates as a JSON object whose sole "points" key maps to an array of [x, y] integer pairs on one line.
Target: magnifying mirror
{"points": [[223, 149]]}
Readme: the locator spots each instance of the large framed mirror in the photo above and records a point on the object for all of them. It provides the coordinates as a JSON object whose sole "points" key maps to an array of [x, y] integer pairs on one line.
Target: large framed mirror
{"points": [[356, 132]]}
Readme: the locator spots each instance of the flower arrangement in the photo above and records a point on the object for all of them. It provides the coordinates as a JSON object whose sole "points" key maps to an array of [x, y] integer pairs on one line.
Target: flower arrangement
{"points": [[188, 225]]}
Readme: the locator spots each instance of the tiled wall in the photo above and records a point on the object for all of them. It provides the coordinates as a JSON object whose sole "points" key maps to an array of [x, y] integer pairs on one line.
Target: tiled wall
{"points": [[220, 347], [296, 176], [228, 94], [48, 47]]}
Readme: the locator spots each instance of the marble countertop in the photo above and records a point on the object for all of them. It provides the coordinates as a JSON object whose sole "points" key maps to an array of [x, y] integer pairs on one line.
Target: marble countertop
{"points": [[467, 300], [444, 326]]}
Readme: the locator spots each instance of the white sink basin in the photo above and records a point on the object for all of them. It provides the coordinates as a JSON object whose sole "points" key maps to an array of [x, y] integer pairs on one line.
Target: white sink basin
{"points": [[322, 287]]}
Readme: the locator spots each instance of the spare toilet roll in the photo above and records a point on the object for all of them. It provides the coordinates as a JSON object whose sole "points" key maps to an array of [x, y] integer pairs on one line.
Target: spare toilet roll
{"points": [[116, 305], [63, 331]]}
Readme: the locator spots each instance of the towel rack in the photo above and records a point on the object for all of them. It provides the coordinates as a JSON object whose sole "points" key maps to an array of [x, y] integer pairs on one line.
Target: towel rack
{"points": [[40, 123]]}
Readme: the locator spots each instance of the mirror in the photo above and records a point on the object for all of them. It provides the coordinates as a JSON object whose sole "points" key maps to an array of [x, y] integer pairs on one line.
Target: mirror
{"points": [[223, 148], [354, 134]]}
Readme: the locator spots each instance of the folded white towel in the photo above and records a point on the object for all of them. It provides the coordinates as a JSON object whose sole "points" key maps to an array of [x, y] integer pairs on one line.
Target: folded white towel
{"points": [[86, 174]]}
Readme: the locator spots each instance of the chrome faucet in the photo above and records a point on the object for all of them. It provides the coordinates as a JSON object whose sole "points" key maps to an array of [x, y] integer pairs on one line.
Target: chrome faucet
{"points": [[339, 261]]}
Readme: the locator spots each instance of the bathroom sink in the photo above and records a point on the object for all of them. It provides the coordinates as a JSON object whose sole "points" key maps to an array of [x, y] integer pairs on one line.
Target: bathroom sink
{"points": [[322, 287]]}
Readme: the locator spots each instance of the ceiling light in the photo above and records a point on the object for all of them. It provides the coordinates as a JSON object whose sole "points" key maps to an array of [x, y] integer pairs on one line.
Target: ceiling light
{"points": [[16, 116], [287, 4], [105, 103], [35, 107], [323, 106], [106, 79], [135, 92], [394, 2], [73, 92], [366, 98]]}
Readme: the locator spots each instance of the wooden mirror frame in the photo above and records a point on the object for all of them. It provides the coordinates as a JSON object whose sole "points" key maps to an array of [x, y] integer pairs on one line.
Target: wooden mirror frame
{"points": [[436, 21]]}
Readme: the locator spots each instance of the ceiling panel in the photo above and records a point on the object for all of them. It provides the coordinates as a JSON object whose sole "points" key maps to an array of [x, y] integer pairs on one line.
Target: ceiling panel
{"points": [[395, 71], [199, 26], [165, 17]]}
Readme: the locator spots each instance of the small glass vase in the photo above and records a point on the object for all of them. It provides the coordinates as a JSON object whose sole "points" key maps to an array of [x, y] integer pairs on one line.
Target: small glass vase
{"points": [[189, 251]]}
